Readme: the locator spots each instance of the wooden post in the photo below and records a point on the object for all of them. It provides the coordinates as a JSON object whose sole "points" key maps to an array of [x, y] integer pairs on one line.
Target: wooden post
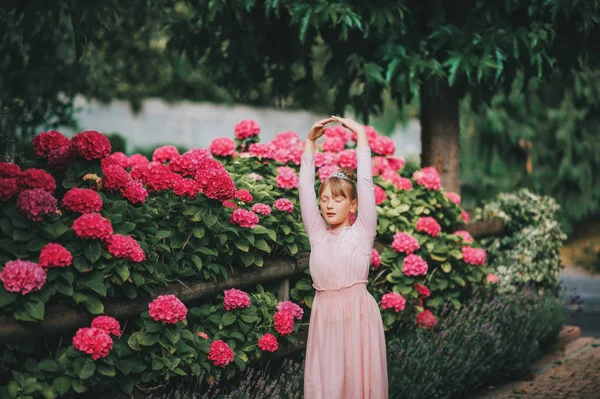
{"points": [[440, 132], [283, 290]]}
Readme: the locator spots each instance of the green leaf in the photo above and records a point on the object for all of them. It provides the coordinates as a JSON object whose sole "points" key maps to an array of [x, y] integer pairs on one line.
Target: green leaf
{"points": [[87, 369], [446, 267], [438, 258], [62, 385], [123, 272], [162, 234], [23, 235], [459, 280], [262, 245], [79, 386], [49, 365], [35, 309], [119, 206], [148, 339], [248, 318], [198, 232], [92, 250], [286, 229], [82, 264], [35, 245], [228, 318], [98, 286], [55, 230], [6, 227], [240, 363], [197, 261], [6, 298], [94, 305], [456, 254], [49, 393], [435, 302], [242, 245]]}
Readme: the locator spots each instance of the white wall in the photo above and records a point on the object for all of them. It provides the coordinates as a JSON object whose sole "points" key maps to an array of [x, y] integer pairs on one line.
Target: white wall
{"points": [[193, 124]]}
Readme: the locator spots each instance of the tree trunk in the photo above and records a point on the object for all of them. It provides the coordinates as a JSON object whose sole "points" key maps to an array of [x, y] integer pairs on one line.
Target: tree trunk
{"points": [[440, 132]]}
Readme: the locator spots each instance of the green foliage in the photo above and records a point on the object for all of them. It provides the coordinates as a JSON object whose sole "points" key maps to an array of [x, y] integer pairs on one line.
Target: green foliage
{"points": [[529, 253]]}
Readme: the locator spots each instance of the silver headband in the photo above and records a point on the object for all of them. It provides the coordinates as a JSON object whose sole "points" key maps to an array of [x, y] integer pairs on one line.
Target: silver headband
{"points": [[341, 175]]}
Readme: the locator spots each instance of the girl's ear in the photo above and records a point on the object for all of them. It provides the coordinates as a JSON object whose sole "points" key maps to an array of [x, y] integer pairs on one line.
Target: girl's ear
{"points": [[354, 205]]}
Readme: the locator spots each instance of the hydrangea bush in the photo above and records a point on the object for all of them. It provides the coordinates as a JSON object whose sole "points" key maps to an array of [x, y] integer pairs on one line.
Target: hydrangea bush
{"points": [[529, 253], [85, 224]]}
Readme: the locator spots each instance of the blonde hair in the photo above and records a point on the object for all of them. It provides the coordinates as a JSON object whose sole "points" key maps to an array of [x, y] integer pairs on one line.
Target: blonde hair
{"points": [[341, 187]]}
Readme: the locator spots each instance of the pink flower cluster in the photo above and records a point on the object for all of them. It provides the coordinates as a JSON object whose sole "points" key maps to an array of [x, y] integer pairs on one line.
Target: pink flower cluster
{"points": [[92, 225], [453, 197], [404, 242], [429, 225], [220, 353], [492, 278], [22, 276], [291, 307], [36, 178], [401, 183], [93, 341], [347, 159], [261, 209], [115, 178], [375, 259], [135, 192], [167, 309], [222, 147], [327, 158], [464, 234], [284, 205], [8, 188], [36, 203], [287, 178], [393, 300], [236, 299], [414, 265], [246, 128], [244, 218], [464, 215], [244, 195], [268, 342], [426, 319], [284, 322], [44, 143], [107, 324], [383, 145], [126, 247], [262, 150], [164, 153], [474, 256], [428, 177], [82, 200], [380, 195], [55, 255], [185, 164], [423, 291], [91, 145]]}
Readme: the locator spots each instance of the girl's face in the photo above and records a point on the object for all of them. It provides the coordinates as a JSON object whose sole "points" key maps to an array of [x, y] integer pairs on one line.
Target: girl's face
{"points": [[336, 209]]}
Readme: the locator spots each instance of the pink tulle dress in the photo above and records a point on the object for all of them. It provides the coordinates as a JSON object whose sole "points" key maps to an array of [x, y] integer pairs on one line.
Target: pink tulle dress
{"points": [[346, 351]]}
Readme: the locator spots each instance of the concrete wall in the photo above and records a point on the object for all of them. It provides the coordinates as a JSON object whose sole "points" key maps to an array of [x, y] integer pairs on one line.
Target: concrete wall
{"points": [[195, 124]]}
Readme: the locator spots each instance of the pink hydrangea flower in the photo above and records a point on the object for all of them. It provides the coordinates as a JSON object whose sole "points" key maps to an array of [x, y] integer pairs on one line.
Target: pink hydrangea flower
{"points": [[474, 256], [453, 197], [220, 353], [164, 153], [293, 308], [464, 234], [262, 150], [236, 299], [426, 319], [284, 322], [22, 276], [222, 146], [414, 265], [244, 218], [255, 176], [327, 158], [167, 309], [393, 300], [347, 159], [284, 205], [380, 195], [287, 178], [326, 171], [429, 225], [464, 215], [244, 195], [333, 144], [36, 203], [229, 204], [93, 341], [492, 278], [286, 139], [107, 324], [261, 209], [291, 154], [202, 335], [125, 247], [268, 342], [246, 128], [404, 242], [55, 255], [428, 177], [383, 145], [423, 291], [375, 259]]}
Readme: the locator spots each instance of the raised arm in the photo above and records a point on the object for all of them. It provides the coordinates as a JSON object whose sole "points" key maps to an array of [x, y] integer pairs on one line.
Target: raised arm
{"points": [[366, 220], [309, 208]]}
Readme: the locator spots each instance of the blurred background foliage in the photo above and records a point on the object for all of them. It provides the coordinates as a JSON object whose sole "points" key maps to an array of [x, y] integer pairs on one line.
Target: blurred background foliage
{"points": [[527, 74]]}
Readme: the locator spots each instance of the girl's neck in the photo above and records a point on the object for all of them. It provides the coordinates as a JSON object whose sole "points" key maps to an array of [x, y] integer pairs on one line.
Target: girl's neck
{"points": [[339, 227]]}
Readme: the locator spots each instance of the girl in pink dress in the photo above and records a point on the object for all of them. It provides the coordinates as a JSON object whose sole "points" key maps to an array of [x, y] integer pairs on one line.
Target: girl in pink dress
{"points": [[346, 351]]}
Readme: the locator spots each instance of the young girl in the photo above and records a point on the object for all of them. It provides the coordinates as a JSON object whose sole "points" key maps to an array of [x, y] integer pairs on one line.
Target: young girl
{"points": [[346, 352]]}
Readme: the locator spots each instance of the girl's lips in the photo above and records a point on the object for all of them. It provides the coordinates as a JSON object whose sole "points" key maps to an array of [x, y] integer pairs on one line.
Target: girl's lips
{"points": [[330, 214]]}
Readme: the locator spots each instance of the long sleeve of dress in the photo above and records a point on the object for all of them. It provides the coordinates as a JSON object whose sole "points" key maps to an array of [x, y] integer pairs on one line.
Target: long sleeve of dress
{"points": [[366, 220], [309, 209]]}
